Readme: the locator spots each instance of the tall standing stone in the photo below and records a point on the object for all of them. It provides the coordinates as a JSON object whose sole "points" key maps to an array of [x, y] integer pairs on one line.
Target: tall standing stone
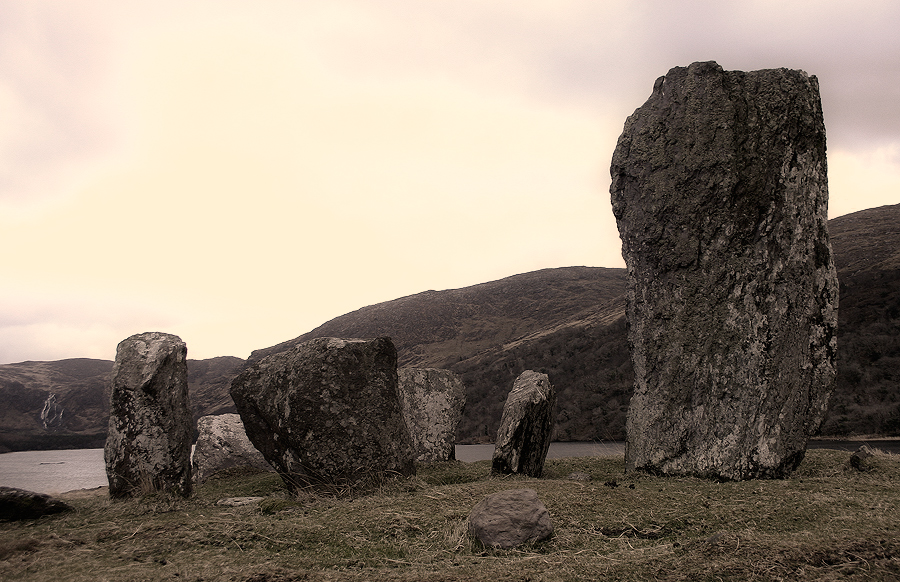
{"points": [[326, 413], [148, 447], [720, 193], [526, 426], [433, 402]]}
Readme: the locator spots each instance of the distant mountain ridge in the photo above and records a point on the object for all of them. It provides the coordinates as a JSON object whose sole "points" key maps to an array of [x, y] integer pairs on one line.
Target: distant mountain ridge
{"points": [[437, 328], [80, 387], [866, 241], [567, 322]]}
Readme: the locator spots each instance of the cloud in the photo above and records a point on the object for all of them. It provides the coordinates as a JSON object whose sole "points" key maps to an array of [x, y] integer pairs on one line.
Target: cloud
{"points": [[44, 323], [873, 176], [53, 130], [264, 192], [238, 175]]}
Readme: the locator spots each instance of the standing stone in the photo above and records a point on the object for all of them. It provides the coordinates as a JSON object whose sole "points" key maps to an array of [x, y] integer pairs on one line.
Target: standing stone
{"points": [[222, 444], [510, 518], [148, 447], [433, 402], [525, 427], [720, 193], [326, 413]]}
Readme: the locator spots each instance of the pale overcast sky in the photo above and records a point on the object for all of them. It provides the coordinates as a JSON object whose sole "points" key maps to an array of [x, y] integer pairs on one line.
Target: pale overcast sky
{"points": [[238, 173]]}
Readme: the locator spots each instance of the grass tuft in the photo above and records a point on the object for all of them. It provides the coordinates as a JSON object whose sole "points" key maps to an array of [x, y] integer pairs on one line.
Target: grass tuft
{"points": [[12, 547]]}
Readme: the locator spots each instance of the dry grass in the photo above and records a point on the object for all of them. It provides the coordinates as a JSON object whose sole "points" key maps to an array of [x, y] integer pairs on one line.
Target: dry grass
{"points": [[828, 521]]}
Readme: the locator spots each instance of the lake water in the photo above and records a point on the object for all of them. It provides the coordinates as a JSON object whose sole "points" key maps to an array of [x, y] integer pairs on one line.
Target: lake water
{"points": [[60, 471], [53, 471], [472, 453]]}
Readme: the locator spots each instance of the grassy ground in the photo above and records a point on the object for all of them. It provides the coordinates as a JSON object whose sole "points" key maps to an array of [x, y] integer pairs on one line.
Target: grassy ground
{"points": [[827, 522]]}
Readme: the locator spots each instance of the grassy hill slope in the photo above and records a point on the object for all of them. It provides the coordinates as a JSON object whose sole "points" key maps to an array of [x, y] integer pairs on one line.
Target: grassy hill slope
{"points": [[866, 399], [567, 322], [81, 387]]}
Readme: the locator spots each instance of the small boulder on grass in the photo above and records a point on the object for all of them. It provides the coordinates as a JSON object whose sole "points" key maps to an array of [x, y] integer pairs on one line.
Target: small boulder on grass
{"points": [[16, 504], [859, 459], [510, 518]]}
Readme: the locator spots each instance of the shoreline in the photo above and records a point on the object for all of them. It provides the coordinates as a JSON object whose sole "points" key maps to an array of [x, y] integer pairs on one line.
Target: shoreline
{"points": [[596, 449], [82, 493]]}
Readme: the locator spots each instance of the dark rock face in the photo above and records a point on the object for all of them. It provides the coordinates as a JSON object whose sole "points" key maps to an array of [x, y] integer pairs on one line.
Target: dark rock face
{"points": [[720, 194], [326, 413], [526, 426], [149, 443], [510, 518], [16, 504], [433, 402], [222, 444]]}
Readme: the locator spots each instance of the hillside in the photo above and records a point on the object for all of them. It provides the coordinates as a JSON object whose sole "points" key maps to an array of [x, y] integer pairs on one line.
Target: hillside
{"points": [[441, 328], [567, 322], [208, 384], [80, 389], [865, 242], [867, 253]]}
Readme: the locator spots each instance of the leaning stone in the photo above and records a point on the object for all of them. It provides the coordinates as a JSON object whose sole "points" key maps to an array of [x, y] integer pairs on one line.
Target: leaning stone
{"points": [[222, 444], [526, 426], [720, 193], [326, 413], [510, 518], [17, 504], [148, 447], [433, 402]]}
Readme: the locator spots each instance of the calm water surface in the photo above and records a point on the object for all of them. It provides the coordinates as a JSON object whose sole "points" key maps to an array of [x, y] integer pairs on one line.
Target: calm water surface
{"points": [[60, 471], [53, 471], [472, 453]]}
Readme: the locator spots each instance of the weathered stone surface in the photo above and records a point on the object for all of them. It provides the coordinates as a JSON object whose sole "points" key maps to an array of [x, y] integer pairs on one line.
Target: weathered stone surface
{"points": [[16, 504], [432, 402], [149, 443], [720, 193], [526, 426], [222, 443], [326, 413], [859, 459], [510, 518]]}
